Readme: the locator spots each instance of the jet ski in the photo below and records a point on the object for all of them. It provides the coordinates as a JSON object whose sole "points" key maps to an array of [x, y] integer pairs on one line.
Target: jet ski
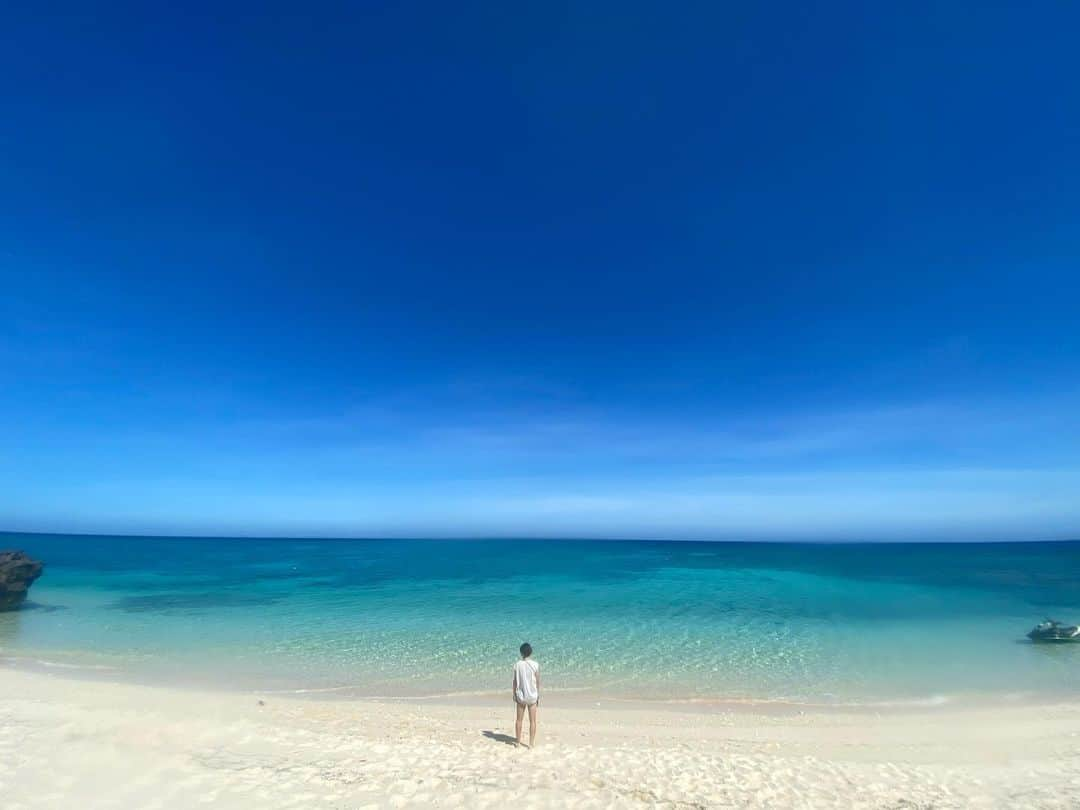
{"points": [[1051, 632]]}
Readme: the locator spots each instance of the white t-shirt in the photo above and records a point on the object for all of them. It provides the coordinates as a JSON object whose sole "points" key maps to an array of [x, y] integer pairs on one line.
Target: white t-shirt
{"points": [[527, 691]]}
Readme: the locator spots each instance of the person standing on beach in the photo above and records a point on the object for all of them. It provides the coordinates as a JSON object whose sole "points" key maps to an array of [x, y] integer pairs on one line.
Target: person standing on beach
{"points": [[526, 690]]}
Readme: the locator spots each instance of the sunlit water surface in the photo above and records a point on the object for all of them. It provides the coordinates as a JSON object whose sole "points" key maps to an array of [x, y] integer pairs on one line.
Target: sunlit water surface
{"points": [[850, 623]]}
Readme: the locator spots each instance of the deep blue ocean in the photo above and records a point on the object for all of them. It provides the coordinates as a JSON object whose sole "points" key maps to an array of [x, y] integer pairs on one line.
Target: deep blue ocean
{"points": [[843, 623]]}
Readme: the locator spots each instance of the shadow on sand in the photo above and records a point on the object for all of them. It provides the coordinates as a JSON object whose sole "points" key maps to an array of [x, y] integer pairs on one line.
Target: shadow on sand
{"points": [[503, 738]]}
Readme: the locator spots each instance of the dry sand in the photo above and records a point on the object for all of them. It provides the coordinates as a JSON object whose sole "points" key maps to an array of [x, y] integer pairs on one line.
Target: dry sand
{"points": [[82, 744]]}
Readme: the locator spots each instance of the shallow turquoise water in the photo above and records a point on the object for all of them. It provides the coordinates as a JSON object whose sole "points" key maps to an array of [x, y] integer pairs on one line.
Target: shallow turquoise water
{"points": [[828, 623]]}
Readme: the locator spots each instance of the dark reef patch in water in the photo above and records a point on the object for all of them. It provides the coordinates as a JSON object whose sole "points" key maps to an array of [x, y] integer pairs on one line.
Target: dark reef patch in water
{"points": [[189, 602], [38, 607]]}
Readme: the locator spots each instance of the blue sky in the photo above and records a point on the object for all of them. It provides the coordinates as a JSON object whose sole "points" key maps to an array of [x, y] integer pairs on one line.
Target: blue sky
{"points": [[715, 271]]}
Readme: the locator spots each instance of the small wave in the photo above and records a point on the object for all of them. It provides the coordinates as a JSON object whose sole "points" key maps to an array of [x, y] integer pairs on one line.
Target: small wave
{"points": [[42, 662], [402, 696], [924, 702], [303, 691], [794, 703], [361, 695]]}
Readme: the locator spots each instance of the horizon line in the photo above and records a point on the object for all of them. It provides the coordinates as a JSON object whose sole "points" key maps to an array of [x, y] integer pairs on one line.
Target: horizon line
{"points": [[528, 538]]}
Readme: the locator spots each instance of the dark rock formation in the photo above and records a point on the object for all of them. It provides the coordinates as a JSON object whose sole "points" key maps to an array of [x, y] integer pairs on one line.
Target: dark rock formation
{"points": [[17, 574]]}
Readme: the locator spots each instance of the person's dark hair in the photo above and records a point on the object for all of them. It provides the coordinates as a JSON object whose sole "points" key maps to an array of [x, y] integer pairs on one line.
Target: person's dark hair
{"points": [[526, 650]]}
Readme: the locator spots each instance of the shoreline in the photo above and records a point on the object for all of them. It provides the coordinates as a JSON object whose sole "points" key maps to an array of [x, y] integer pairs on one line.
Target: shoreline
{"points": [[127, 745], [568, 697]]}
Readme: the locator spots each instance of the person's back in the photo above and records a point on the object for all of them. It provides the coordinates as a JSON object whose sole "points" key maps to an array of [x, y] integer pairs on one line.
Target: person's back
{"points": [[526, 691]]}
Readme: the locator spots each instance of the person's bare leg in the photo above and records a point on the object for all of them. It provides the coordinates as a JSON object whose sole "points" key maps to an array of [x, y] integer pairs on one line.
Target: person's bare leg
{"points": [[532, 726], [517, 723]]}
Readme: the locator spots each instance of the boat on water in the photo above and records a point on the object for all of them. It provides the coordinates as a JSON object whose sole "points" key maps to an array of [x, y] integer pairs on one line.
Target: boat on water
{"points": [[1052, 632]]}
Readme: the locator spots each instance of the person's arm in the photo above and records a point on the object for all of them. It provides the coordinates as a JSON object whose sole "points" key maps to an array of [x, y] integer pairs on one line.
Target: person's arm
{"points": [[513, 685], [537, 684]]}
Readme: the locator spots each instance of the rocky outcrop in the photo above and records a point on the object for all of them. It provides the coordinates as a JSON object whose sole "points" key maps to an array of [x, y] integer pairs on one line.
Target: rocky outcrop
{"points": [[17, 574]]}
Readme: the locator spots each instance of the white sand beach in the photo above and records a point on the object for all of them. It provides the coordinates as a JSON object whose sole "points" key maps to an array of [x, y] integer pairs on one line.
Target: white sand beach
{"points": [[90, 744]]}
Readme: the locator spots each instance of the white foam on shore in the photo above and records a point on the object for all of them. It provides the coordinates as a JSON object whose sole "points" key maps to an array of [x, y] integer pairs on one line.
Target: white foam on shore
{"points": [[922, 702], [17, 661], [361, 694]]}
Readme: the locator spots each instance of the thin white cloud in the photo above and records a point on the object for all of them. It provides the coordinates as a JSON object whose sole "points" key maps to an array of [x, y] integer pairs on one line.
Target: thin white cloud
{"points": [[928, 469]]}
